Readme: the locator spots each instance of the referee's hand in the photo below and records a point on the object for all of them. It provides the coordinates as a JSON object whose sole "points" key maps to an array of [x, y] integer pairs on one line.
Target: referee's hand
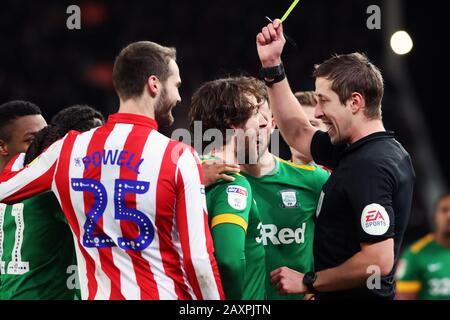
{"points": [[287, 281], [270, 43], [214, 170]]}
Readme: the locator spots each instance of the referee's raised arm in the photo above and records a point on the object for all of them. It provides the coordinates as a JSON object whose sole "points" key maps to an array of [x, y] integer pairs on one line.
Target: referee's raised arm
{"points": [[291, 119], [364, 207]]}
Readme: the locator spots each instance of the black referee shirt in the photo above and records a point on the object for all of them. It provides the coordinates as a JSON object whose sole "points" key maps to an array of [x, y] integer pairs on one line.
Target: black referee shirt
{"points": [[367, 199]]}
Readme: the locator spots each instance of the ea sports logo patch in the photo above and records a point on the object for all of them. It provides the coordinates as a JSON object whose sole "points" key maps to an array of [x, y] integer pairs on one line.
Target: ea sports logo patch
{"points": [[375, 220]]}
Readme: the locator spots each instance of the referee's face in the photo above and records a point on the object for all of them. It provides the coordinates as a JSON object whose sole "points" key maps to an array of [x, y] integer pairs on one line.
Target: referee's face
{"points": [[335, 116]]}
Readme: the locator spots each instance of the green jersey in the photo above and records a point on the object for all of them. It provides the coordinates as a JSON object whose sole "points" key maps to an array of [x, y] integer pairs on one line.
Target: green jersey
{"points": [[234, 220], [424, 268], [287, 199], [36, 250]]}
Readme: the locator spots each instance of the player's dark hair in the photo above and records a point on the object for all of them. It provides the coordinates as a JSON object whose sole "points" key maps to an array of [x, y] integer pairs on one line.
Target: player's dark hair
{"points": [[136, 63], [79, 118], [351, 73], [223, 103], [13, 110]]}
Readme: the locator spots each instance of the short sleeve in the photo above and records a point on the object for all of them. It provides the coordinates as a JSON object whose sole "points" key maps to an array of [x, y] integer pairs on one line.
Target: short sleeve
{"points": [[369, 188], [323, 151]]}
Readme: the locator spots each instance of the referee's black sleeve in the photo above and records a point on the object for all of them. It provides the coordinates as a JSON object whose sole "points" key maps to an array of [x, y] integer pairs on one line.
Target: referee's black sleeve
{"points": [[323, 151], [370, 190]]}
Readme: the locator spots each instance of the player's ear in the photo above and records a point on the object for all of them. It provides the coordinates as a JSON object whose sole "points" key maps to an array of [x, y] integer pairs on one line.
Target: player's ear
{"points": [[3, 148], [153, 85]]}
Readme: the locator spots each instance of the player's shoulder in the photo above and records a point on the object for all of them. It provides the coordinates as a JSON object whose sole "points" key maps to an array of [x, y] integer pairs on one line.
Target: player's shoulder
{"points": [[240, 180], [292, 168], [240, 187], [174, 147], [422, 244], [178, 146], [233, 197], [240, 183], [74, 133], [296, 166]]}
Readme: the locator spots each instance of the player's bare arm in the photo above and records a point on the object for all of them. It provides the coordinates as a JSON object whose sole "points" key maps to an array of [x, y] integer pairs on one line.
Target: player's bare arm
{"points": [[291, 119]]}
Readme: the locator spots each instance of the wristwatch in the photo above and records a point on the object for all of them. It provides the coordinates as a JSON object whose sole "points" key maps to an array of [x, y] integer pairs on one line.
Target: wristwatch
{"points": [[308, 280], [272, 75]]}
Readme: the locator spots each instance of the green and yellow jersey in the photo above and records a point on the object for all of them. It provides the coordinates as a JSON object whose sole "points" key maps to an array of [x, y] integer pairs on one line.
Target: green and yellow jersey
{"points": [[36, 251], [424, 269], [287, 199], [234, 220]]}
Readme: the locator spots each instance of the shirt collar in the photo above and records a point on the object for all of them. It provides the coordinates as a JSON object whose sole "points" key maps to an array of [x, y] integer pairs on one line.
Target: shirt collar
{"points": [[272, 172], [132, 118], [371, 137], [275, 169]]}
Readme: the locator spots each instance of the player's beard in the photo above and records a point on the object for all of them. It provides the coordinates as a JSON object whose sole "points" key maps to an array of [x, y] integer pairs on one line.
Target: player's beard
{"points": [[263, 143], [251, 151], [163, 110], [246, 148]]}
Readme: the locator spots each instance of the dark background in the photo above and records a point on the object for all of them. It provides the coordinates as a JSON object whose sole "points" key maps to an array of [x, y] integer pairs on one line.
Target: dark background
{"points": [[44, 62]]}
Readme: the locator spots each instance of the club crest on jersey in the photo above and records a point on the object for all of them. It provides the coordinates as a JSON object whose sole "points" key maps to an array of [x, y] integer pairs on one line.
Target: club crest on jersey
{"points": [[237, 197], [78, 162], [375, 220], [289, 199]]}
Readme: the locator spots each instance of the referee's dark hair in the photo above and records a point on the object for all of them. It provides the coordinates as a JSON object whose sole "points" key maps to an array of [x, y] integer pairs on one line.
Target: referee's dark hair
{"points": [[79, 118], [13, 110], [354, 73]]}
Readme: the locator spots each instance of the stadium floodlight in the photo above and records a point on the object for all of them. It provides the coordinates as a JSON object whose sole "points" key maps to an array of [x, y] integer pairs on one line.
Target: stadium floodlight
{"points": [[401, 42]]}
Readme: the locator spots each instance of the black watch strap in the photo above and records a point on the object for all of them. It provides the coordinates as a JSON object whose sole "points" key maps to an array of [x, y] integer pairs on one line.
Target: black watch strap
{"points": [[308, 280], [272, 75]]}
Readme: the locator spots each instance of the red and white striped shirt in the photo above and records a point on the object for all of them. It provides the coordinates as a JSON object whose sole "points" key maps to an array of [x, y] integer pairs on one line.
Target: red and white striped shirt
{"points": [[135, 202]]}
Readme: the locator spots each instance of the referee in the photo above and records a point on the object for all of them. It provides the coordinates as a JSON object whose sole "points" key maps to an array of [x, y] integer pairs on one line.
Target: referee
{"points": [[364, 207]]}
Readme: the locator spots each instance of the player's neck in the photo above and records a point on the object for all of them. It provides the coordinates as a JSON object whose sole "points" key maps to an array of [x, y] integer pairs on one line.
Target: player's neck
{"points": [[266, 163], [443, 240], [226, 153], [140, 106], [366, 128], [2, 164]]}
